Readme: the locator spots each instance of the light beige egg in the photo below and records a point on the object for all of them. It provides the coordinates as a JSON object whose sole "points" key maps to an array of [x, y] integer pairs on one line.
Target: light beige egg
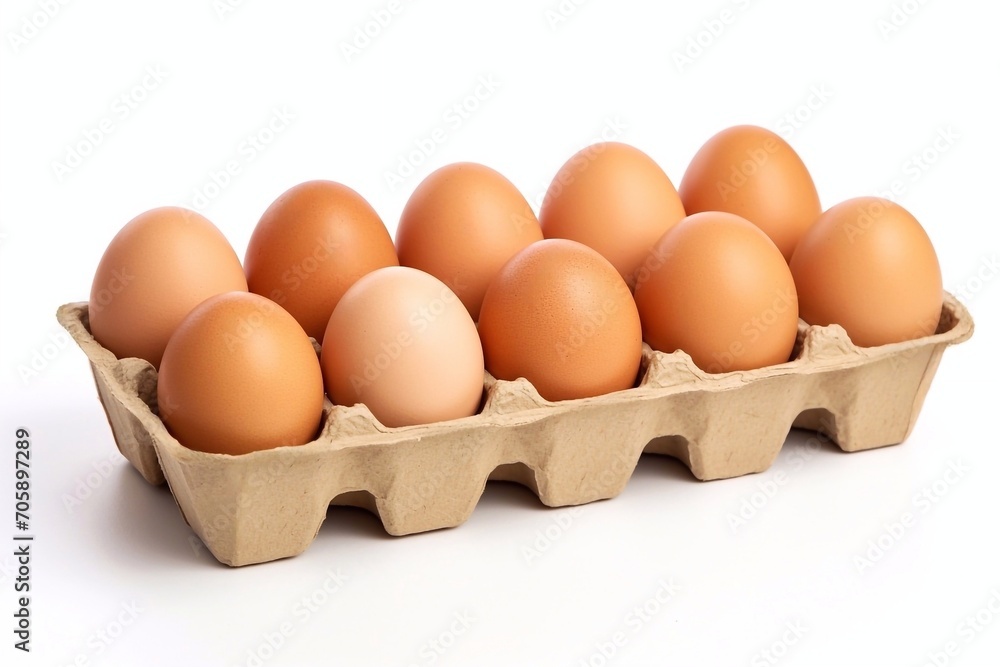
{"points": [[401, 342]]}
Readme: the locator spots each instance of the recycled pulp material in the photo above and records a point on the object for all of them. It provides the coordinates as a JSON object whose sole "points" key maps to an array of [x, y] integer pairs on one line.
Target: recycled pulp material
{"points": [[270, 504]]}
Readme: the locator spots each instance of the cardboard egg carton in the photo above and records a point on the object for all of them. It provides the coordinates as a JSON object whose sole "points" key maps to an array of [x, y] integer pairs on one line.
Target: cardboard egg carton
{"points": [[270, 504]]}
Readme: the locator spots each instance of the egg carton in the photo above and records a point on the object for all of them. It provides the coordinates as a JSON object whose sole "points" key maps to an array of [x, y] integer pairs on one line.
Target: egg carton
{"points": [[270, 504]]}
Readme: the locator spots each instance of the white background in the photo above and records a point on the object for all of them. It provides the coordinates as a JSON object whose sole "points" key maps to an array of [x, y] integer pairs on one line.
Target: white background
{"points": [[885, 98]]}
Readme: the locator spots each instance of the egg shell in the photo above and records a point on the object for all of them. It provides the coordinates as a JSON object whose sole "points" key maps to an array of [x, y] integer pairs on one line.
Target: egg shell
{"points": [[615, 199], [161, 264], [560, 315], [461, 224], [240, 375], [401, 342], [869, 266], [753, 173], [722, 292], [313, 243]]}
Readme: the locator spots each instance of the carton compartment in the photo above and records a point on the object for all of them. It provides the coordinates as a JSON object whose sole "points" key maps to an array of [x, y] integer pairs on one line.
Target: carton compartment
{"points": [[270, 504]]}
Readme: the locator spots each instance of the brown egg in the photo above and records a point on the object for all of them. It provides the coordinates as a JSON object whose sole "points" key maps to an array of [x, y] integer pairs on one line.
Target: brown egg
{"points": [[560, 315], [310, 245], [615, 199], [721, 291], [461, 224], [401, 342], [239, 375], [162, 264], [869, 266], [753, 173]]}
